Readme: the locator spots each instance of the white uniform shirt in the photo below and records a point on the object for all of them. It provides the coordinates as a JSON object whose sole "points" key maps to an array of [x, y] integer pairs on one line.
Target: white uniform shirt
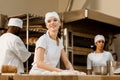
{"points": [[100, 59], [52, 52], [13, 51]]}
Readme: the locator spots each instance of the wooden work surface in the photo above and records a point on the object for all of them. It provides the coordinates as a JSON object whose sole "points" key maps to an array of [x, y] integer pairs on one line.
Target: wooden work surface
{"points": [[5, 77], [58, 77]]}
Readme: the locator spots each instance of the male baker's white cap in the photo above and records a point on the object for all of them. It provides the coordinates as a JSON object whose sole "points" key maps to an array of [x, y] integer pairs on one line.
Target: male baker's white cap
{"points": [[15, 22], [51, 14], [99, 37]]}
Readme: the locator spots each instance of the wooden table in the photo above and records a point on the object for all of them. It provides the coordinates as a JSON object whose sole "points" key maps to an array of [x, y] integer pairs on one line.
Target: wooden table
{"points": [[5, 77], [58, 77]]}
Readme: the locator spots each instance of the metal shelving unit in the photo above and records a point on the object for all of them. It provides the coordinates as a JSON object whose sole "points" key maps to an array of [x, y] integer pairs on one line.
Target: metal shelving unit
{"points": [[29, 20]]}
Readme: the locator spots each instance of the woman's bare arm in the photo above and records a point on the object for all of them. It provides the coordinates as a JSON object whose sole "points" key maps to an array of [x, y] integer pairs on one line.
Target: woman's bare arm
{"points": [[40, 61]]}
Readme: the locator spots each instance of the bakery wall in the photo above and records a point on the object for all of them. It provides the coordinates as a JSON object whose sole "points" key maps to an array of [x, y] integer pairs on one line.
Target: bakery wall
{"points": [[40, 7], [76, 5], [110, 7], [18, 7]]}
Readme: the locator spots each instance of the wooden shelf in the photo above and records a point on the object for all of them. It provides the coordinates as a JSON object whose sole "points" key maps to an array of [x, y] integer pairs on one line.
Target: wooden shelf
{"points": [[83, 35], [80, 68], [81, 50]]}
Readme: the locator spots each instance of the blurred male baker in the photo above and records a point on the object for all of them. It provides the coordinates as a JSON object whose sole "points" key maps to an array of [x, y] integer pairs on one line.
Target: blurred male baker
{"points": [[12, 49]]}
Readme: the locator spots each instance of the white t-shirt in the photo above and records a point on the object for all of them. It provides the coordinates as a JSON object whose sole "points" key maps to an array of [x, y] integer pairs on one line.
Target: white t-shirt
{"points": [[98, 59], [52, 52], [13, 51]]}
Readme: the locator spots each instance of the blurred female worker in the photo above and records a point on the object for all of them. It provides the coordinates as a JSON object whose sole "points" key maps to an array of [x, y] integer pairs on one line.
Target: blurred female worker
{"points": [[99, 57], [49, 48], [12, 49]]}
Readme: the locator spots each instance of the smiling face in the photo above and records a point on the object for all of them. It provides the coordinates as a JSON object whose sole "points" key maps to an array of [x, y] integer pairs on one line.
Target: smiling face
{"points": [[53, 24]]}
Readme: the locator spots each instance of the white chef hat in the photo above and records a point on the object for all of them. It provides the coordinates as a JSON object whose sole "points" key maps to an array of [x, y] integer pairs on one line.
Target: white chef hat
{"points": [[51, 14], [99, 37], [15, 22]]}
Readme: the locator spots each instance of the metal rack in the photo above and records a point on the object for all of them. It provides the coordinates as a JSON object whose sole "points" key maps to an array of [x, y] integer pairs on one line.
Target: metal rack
{"points": [[28, 20]]}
